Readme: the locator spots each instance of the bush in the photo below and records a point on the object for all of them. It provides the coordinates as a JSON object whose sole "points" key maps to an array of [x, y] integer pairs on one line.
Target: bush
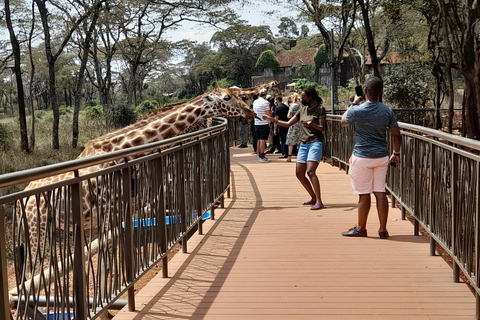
{"points": [[146, 106], [120, 116], [408, 85], [5, 138], [65, 110], [303, 83], [94, 112]]}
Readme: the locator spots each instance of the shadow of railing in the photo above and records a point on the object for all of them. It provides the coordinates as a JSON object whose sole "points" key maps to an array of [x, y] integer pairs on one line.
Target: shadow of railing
{"points": [[438, 183], [105, 229]]}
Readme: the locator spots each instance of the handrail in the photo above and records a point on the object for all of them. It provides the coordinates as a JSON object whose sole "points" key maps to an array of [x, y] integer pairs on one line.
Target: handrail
{"points": [[139, 208]]}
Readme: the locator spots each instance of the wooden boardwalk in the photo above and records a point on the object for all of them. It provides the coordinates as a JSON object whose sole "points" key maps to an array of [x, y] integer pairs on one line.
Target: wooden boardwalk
{"points": [[268, 257]]}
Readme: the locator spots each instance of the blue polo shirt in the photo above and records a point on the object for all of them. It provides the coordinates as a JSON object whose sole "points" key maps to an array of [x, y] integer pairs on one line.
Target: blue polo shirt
{"points": [[371, 121]]}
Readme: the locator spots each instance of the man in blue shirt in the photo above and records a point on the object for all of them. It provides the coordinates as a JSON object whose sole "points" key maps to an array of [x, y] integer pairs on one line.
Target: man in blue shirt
{"points": [[370, 158]]}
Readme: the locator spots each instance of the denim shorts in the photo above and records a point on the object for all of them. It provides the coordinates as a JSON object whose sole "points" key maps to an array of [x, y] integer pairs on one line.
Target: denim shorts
{"points": [[312, 151]]}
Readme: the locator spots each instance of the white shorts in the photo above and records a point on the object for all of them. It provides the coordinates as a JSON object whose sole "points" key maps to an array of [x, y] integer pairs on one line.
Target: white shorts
{"points": [[368, 175]]}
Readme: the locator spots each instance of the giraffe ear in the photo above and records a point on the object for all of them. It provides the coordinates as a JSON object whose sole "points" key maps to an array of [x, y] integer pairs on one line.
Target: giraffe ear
{"points": [[215, 85]]}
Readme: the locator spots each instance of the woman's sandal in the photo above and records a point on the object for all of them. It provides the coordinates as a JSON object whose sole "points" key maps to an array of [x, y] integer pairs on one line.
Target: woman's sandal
{"points": [[317, 206], [309, 202]]}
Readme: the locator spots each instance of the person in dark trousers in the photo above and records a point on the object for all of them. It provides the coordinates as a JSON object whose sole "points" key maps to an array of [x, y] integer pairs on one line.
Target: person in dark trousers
{"points": [[281, 113], [370, 158]]}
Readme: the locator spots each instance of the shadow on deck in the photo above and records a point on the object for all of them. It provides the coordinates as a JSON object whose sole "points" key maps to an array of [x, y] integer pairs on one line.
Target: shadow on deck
{"points": [[268, 257]]}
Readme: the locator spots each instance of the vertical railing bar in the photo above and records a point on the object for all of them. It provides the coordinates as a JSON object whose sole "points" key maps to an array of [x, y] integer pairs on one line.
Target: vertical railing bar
{"points": [[129, 252], [198, 186], [415, 189], [183, 199], [4, 296], [430, 203], [477, 241], [210, 180], [453, 186], [161, 216], [79, 281]]}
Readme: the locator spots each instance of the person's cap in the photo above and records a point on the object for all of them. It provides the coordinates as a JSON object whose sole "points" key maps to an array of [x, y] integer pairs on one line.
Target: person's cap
{"points": [[262, 92]]}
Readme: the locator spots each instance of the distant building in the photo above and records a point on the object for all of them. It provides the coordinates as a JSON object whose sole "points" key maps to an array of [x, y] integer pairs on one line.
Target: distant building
{"points": [[300, 64]]}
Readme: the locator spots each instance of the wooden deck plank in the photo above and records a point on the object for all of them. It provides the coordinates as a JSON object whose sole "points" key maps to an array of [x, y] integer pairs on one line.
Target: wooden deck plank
{"points": [[269, 257]]}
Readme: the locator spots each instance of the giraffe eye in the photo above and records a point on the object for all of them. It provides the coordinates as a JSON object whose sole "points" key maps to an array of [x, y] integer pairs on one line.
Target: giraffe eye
{"points": [[209, 98], [227, 98]]}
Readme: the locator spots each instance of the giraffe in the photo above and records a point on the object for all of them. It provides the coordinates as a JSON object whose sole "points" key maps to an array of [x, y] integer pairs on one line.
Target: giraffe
{"points": [[273, 85], [158, 125]]}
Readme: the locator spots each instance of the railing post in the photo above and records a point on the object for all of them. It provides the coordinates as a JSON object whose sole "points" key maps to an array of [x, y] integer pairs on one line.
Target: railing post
{"points": [[183, 200], [199, 184], [4, 298], [453, 184], [162, 225], [210, 180], [129, 255], [79, 280], [432, 246]]}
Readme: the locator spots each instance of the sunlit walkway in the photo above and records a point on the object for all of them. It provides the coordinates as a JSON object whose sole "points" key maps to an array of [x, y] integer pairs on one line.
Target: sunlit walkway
{"points": [[268, 257]]}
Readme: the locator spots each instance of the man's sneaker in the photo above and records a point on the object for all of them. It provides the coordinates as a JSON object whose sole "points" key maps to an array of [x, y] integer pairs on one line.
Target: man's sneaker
{"points": [[353, 232], [264, 160]]}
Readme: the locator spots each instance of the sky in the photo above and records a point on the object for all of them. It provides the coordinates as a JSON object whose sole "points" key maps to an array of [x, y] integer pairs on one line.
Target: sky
{"points": [[255, 13]]}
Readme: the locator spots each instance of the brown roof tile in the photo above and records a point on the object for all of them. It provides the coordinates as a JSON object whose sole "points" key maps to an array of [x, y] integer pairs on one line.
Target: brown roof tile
{"points": [[296, 58]]}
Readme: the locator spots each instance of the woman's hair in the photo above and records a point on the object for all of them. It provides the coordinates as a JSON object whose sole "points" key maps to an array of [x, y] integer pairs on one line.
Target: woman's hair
{"points": [[293, 98], [312, 92]]}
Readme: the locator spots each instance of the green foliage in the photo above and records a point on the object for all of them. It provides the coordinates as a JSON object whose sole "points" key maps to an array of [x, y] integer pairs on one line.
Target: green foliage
{"points": [[94, 112], [65, 110], [321, 57], [267, 60], [303, 83], [41, 114], [120, 116], [222, 83], [409, 85], [146, 106], [5, 138], [288, 28]]}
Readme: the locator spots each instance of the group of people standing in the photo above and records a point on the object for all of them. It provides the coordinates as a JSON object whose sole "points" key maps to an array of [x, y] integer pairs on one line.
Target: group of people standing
{"points": [[305, 124]]}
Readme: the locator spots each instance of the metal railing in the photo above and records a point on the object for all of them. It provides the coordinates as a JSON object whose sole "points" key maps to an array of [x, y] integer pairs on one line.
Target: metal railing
{"points": [[140, 207], [438, 184]]}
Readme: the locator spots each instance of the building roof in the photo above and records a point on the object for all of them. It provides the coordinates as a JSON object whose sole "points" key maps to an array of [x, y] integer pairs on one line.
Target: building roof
{"points": [[390, 58], [290, 58]]}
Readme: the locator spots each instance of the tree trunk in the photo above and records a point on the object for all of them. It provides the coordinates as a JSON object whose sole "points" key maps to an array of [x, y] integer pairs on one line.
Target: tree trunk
{"points": [[18, 78], [81, 75]]}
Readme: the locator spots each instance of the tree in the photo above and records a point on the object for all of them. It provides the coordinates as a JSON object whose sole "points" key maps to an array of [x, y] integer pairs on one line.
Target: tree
{"points": [[71, 24], [288, 28], [18, 77], [342, 15], [460, 20], [239, 46], [267, 60]]}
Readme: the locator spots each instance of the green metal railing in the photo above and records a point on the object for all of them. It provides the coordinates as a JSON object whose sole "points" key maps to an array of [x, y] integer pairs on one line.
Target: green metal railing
{"points": [[146, 202], [438, 184]]}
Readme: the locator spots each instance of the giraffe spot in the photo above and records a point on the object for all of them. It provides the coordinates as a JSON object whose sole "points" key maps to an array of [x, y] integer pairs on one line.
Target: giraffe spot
{"points": [[169, 133], [171, 119], [137, 141], [118, 139], [189, 110], [180, 126], [150, 134], [181, 117], [197, 112], [191, 119], [126, 145]]}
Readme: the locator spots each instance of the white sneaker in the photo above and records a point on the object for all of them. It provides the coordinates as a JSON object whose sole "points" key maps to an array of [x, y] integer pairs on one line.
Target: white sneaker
{"points": [[264, 160]]}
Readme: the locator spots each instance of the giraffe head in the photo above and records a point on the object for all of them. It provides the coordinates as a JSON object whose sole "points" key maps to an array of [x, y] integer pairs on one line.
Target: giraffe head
{"points": [[225, 102]]}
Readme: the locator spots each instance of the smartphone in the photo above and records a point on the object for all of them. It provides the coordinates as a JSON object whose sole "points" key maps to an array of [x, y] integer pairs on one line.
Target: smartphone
{"points": [[359, 91]]}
